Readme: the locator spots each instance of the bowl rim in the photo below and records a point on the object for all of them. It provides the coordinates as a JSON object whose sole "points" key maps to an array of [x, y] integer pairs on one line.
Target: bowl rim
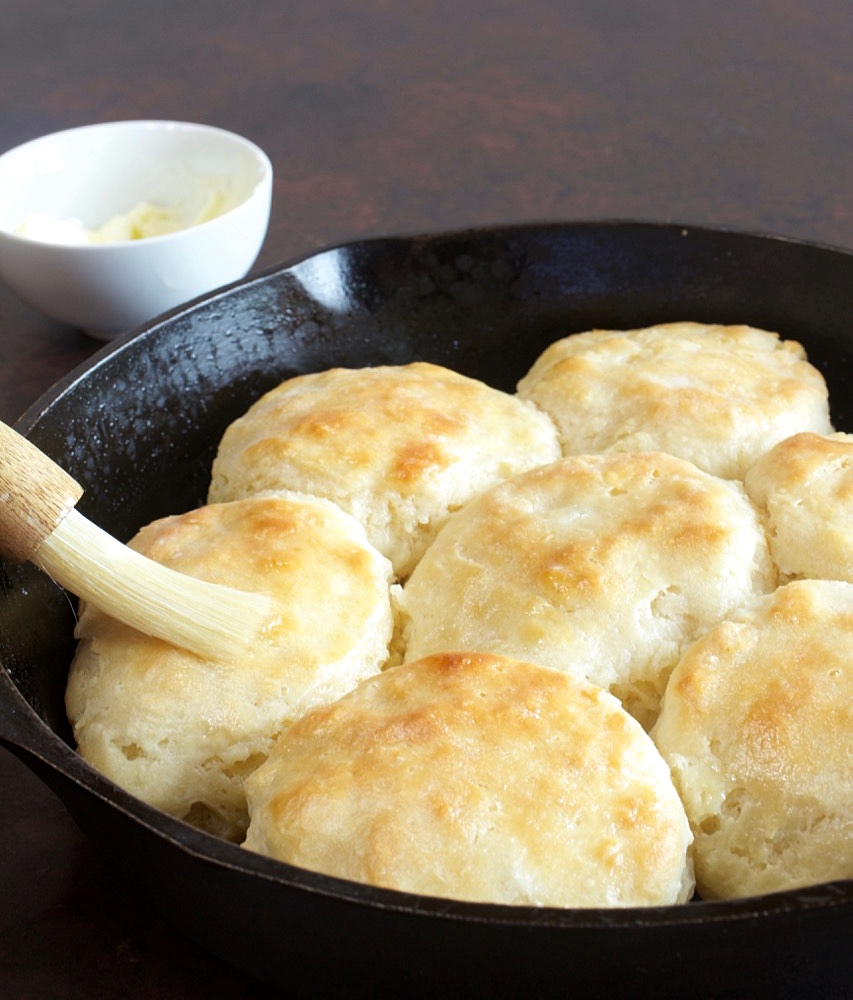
{"points": [[261, 186]]}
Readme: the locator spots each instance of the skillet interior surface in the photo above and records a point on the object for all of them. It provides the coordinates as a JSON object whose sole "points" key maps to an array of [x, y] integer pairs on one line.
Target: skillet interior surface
{"points": [[138, 426]]}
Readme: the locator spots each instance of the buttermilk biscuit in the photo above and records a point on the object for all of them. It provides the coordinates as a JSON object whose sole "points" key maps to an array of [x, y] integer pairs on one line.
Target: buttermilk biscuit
{"points": [[604, 566], [397, 447], [757, 727], [716, 395], [804, 487], [473, 777], [181, 732]]}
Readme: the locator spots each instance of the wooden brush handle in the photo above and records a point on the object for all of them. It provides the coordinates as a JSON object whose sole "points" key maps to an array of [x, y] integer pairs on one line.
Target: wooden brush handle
{"points": [[35, 495]]}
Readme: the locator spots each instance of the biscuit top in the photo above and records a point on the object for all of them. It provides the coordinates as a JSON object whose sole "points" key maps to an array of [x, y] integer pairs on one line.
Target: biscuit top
{"points": [[398, 447], [180, 731], [757, 726], [716, 395], [475, 777], [604, 566], [804, 487]]}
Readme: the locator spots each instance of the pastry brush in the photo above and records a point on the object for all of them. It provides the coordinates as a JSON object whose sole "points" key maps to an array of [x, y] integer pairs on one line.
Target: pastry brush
{"points": [[39, 522]]}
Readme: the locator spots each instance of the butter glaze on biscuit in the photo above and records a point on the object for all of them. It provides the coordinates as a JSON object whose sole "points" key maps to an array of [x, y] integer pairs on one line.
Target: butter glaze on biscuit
{"points": [[719, 396], [475, 777], [181, 732], [604, 566]]}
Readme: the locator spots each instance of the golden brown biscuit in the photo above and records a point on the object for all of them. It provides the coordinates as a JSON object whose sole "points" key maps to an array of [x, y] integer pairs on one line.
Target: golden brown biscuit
{"points": [[757, 727], [181, 732], [396, 446], [804, 487], [473, 777], [604, 566], [719, 396]]}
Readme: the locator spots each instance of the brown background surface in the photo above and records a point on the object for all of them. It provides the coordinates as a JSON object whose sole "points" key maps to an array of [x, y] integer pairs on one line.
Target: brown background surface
{"points": [[380, 118]]}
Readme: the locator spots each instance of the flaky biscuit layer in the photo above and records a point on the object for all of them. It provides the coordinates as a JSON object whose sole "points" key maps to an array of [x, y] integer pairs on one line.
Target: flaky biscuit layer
{"points": [[398, 447]]}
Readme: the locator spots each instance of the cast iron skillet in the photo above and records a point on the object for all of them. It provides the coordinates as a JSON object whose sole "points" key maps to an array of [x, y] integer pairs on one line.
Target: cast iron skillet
{"points": [[138, 426]]}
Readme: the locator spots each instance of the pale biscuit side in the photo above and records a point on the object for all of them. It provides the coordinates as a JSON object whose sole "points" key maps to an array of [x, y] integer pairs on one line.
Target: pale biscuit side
{"points": [[757, 728], [804, 488]]}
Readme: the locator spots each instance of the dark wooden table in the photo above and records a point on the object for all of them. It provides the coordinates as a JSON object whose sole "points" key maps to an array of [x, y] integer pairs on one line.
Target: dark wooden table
{"points": [[387, 118]]}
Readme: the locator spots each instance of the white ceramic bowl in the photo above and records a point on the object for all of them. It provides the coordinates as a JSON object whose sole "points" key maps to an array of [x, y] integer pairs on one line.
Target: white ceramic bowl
{"points": [[95, 173]]}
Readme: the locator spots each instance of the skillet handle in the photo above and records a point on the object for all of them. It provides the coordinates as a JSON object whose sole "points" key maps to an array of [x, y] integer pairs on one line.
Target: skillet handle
{"points": [[31, 741], [20, 727], [37, 620]]}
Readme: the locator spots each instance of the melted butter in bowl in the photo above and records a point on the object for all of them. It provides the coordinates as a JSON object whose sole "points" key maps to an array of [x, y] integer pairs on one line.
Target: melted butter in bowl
{"points": [[143, 221]]}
